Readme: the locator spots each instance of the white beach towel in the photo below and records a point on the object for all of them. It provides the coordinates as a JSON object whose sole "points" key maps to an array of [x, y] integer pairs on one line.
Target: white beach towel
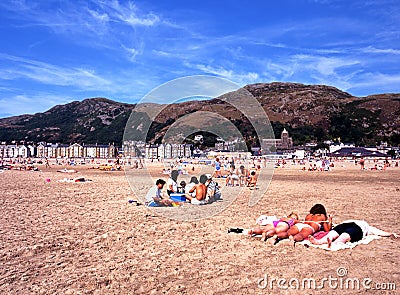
{"points": [[341, 246], [75, 180]]}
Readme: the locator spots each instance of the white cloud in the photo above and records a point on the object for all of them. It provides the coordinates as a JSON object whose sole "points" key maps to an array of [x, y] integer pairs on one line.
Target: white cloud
{"points": [[241, 78], [50, 74], [102, 17], [128, 13], [214, 71], [132, 53], [376, 80], [324, 65], [30, 104], [371, 49]]}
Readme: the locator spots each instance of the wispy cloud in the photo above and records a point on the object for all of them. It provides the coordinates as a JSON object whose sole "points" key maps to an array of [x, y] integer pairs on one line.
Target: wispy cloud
{"points": [[324, 65], [374, 83], [99, 24], [241, 78], [30, 104], [371, 49], [128, 13], [50, 74]]}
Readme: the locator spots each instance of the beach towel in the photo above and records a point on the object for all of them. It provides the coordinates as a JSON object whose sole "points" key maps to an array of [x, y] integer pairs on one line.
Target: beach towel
{"points": [[154, 204], [340, 246], [67, 170], [75, 180]]}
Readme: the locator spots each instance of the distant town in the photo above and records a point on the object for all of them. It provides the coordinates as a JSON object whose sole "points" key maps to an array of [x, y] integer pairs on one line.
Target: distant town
{"points": [[271, 148]]}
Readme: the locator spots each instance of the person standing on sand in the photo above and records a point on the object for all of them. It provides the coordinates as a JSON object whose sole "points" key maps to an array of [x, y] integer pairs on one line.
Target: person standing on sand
{"points": [[217, 165], [362, 163], [200, 191], [47, 163]]}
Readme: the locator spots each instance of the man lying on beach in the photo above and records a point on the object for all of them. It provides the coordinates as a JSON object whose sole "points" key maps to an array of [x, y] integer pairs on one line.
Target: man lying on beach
{"points": [[154, 197], [350, 231], [200, 191]]}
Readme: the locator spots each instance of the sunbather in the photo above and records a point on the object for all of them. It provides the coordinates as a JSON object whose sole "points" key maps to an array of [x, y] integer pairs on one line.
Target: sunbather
{"points": [[281, 225], [315, 221], [350, 231]]}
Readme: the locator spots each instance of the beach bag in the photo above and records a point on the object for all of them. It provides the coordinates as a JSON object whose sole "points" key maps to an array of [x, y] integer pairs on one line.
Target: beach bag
{"points": [[264, 219]]}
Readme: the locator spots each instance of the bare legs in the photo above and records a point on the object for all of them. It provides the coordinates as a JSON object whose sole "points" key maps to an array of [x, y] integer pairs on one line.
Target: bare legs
{"points": [[324, 240], [376, 231]]}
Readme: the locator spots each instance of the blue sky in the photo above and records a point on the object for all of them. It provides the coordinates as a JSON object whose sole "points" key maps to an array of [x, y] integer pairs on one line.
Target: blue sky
{"points": [[54, 52]]}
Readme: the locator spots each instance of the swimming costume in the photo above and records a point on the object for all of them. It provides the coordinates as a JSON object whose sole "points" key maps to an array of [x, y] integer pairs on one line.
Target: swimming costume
{"points": [[300, 226], [289, 223]]}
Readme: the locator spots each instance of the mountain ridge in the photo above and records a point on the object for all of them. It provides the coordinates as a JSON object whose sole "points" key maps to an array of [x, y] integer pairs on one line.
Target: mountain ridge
{"points": [[308, 112]]}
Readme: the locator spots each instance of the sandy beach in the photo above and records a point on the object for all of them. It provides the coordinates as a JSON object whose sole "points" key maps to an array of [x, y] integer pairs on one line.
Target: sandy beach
{"points": [[86, 238]]}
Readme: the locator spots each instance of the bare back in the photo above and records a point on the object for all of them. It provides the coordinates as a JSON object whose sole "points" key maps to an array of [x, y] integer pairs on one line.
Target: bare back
{"points": [[201, 191], [314, 220]]}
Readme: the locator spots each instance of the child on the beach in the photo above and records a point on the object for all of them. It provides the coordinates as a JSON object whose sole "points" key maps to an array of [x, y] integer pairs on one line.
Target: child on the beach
{"points": [[252, 181]]}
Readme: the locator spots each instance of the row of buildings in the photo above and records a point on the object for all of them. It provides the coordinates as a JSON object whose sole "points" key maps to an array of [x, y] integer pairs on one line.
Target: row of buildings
{"points": [[132, 149], [51, 150]]}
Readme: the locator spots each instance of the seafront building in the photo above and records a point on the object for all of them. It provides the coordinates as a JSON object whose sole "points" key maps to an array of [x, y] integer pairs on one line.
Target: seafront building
{"points": [[133, 149], [283, 143], [51, 150]]}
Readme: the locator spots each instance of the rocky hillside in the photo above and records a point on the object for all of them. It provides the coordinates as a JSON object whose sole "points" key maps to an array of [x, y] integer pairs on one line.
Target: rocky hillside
{"points": [[308, 112], [91, 120]]}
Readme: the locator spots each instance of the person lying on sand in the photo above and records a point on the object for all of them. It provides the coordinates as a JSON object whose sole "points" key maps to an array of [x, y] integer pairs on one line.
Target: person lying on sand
{"points": [[315, 221], [350, 231], [281, 225]]}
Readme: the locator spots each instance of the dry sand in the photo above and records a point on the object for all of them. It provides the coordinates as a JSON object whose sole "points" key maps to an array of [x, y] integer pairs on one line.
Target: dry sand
{"points": [[85, 238]]}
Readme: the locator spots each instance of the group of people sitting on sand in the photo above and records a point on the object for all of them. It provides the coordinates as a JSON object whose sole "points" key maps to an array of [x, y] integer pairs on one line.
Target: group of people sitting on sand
{"points": [[290, 227], [198, 191], [235, 176], [241, 177]]}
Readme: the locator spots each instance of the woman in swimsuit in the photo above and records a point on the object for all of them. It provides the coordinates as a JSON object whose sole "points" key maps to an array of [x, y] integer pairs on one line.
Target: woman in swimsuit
{"points": [[281, 225], [315, 221]]}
